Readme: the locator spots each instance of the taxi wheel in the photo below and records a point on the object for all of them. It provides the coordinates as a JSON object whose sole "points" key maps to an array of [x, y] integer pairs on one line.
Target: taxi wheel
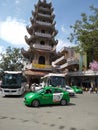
{"points": [[63, 102], [35, 103]]}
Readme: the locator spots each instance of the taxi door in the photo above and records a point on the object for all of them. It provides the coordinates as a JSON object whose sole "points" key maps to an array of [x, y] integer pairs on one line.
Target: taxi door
{"points": [[47, 98]]}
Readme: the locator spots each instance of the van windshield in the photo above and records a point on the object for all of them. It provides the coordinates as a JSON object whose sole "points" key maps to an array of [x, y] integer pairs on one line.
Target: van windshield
{"points": [[11, 79]]}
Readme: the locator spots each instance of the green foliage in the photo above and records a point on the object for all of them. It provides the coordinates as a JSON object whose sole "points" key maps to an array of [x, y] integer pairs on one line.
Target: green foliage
{"points": [[11, 59], [85, 31]]}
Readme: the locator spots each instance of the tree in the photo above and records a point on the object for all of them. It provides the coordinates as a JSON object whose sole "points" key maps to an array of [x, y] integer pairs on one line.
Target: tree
{"points": [[11, 59], [85, 32]]}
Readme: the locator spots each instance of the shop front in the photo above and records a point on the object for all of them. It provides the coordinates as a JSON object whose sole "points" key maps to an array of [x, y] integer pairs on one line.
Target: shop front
{"points": [[84, 79]]}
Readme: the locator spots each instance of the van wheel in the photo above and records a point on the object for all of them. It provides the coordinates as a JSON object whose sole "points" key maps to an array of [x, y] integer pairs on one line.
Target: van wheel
{"points": [[35, 103], [63, 102]]}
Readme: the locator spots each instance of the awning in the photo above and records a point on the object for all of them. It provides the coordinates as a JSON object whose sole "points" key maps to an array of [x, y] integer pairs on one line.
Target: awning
{"points": [[35, 73]]}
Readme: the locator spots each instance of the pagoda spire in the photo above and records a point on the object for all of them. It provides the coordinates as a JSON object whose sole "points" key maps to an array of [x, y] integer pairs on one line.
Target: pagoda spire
{"points": [[41, 39]]}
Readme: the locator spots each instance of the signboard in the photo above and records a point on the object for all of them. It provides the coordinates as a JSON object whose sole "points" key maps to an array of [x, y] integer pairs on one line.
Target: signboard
{"points": [[41, 66]]}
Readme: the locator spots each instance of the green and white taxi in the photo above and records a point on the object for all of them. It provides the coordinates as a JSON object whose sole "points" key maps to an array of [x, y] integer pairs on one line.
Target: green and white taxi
{"points": [[77, 89], [47, 95]]}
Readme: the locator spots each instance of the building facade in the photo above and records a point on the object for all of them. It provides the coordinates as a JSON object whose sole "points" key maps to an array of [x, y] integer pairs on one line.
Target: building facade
{"points": [[68, 60]]}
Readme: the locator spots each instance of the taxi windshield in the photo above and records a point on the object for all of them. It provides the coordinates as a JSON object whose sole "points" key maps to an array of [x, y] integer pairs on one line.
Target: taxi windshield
{"points": [[39, 90]]}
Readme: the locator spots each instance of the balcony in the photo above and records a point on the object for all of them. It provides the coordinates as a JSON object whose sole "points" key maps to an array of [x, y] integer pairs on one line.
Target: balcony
{"points": [[44, 47], [44, 15], [45, 9], [43, 23], [43, 35], [69, 62]]}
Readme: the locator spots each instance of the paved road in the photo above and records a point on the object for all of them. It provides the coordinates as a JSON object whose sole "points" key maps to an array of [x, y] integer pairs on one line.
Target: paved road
{"points": [[80, 114]]}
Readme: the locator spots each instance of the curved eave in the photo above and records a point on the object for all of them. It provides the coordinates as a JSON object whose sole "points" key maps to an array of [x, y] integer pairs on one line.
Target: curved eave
{"points": [[54, 42], [34, 37], [54, 33], [54, 23], [32, 20], [25, 53], [28, 40], [34, 15], [29, 30], [52, 9], [52, 16]]}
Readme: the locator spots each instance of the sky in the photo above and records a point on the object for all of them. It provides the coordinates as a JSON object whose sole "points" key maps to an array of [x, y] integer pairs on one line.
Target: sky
{"points": [[15, 16]]}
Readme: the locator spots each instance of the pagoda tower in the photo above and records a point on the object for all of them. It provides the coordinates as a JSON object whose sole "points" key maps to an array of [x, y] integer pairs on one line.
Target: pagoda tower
{"points": [[41, 42]]}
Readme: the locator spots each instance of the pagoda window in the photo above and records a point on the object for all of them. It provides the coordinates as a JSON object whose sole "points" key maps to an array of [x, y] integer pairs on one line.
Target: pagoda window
{"points": [[44, 12], [42, 31], [52, 45], [41, 60], [43, 20], [42, 43]]}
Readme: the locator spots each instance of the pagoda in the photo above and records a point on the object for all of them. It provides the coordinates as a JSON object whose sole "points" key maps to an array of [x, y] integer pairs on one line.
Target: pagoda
{"points": [[41, 42]]}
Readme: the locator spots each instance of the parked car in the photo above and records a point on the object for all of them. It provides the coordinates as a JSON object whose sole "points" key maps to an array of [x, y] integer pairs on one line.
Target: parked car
{"points": [[35, 87], [70, 90], [47, 95], [77, 89]]}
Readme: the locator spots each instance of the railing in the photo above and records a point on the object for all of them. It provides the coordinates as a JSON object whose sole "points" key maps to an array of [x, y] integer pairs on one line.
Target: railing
{"points": [[45, 15], [44, 47], [59, 59], [46, 9], [42, 34], [64, 66], [43, 23], [70, 61]]}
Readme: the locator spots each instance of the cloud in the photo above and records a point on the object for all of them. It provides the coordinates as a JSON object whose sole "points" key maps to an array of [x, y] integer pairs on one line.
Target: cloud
{"points": [[17, 1], [62, 44], [66, 31], [13, 31], [63, 29]]}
